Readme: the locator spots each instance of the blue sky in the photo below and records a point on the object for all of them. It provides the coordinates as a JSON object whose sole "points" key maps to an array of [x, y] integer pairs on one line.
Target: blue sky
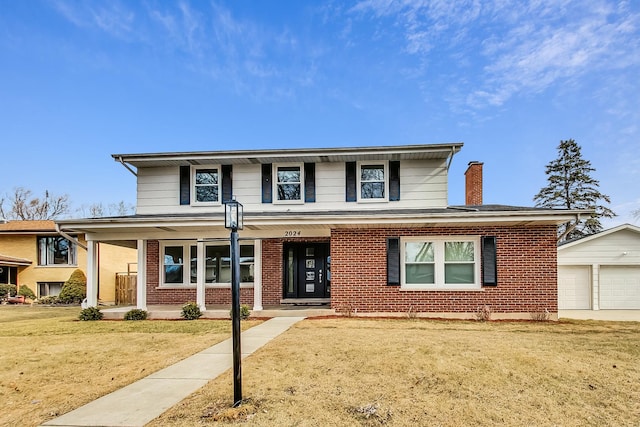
{"points": [[81, 80]]}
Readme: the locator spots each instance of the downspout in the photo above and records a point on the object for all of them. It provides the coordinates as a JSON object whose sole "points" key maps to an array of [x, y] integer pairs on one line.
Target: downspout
{"points": [[570, 228], [453, 153], [127, 166], [70, 238]]}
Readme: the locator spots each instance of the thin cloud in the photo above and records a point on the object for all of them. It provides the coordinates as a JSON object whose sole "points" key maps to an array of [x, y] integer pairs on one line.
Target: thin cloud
{"points": [[522, 47], [112, 18]]}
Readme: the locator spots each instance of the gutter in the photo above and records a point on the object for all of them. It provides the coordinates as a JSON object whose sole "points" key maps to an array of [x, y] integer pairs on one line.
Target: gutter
{"points": [[70, 238], [119, 159], [570, 228], [453, 153]]}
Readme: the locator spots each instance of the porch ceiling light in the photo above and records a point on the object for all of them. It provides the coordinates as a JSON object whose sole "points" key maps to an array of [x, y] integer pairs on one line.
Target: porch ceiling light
{"points": [[233, 215]]}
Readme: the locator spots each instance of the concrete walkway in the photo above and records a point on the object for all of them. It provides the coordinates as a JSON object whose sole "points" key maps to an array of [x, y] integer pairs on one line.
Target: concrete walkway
{"points": [[144, 400]]}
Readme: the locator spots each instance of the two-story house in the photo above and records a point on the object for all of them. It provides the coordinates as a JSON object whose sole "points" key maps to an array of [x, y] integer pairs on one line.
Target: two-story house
{"points": [[367, 230], [35, 254]]}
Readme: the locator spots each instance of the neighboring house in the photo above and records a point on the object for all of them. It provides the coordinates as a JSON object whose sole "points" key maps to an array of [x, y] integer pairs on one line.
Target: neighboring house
{"points": [[367, 230], [601, 271], [33, 253]]}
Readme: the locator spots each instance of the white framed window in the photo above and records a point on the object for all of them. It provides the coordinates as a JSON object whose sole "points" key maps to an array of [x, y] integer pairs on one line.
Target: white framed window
{"points": [[177, 260], [373, 181], [440, 262], [288, 183], [206, 185], [178, 270], [56, 250]]}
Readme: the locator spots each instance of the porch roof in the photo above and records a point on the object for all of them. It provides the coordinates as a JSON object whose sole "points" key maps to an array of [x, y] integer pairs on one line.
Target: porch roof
{"points": [[210, 224], [10, 261]]}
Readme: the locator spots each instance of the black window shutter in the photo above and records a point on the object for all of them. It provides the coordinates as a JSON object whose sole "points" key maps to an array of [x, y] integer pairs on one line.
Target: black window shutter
{"points": [[266, 183], [489, 265], [394, 181], [185, 185], [309, 182], [393, 261], [351, 182], [227, 183]]}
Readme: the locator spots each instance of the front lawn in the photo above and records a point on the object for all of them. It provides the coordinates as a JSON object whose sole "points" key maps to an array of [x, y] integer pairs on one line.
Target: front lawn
{"points": [[51, 363], [352, 372]]}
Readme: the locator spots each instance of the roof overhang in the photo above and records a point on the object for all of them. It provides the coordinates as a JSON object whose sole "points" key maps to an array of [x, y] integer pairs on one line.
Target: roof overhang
{"points": [[212, 225], [8, 261], [310, 155]]}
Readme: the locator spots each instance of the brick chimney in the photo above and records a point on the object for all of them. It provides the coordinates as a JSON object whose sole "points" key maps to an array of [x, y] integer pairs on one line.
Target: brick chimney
{"points": [[473, 184]]}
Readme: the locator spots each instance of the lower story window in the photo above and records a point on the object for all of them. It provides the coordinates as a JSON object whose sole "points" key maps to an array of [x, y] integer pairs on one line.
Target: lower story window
{"points": [[217, 263], [49, 289], [443, 262]]}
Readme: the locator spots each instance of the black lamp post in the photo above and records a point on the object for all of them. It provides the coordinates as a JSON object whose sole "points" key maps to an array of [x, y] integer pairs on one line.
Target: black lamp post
{"points": [[233, 221]]}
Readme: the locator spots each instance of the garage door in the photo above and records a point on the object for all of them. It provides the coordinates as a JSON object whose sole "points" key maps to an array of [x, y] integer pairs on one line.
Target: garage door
{"points": [[620, 288], [574, 287]]}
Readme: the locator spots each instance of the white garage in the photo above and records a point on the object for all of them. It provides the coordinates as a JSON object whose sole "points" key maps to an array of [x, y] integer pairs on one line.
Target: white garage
{"points": [[601, 271]]}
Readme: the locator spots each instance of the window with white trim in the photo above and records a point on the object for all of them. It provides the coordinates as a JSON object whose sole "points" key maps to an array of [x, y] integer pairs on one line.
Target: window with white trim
{"points": [[56, 250], [373, 183], [442, 262], [178, 272], [205, 188], [288, 183]]}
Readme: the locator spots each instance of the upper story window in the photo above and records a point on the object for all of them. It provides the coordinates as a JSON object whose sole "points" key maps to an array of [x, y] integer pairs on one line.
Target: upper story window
{"points": [[372, 181], [56, 250], [440, 262], [206, 185], [288, 183]]}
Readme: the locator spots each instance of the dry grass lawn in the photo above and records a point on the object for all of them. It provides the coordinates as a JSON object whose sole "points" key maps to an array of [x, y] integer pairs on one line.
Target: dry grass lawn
{"points": [[354, 372], [51, 363]]}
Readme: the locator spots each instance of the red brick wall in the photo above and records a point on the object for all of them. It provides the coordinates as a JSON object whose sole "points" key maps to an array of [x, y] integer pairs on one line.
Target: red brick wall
{"points": [[526, 263], [176, 295]]}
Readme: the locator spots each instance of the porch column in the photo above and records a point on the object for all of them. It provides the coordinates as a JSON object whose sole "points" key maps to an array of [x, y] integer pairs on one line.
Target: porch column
{"points": [[92, 273], [141, 285], [257, 275], [201, 265]]}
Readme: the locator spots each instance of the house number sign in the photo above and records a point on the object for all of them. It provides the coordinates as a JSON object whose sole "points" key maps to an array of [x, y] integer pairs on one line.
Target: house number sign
{"points": [[292, 233]]}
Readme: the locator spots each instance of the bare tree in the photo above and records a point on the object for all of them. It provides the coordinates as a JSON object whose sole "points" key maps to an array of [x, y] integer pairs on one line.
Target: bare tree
{"points": [[23, 206], [99, 210]]}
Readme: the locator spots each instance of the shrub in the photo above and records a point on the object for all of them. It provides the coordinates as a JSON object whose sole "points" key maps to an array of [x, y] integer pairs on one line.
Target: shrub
{"points": [[48, 300], [7, 290], [26, 292], [191, 311], [135, 314], [244, 312], [91, 313], [74, 290], [483, 313]]}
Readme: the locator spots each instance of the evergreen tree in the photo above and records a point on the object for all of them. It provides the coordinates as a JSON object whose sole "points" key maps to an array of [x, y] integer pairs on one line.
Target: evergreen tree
{"points": [[571, 186]]}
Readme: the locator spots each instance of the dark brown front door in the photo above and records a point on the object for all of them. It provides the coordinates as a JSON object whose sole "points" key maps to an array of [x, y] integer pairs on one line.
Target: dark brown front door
{"points": [[307, 270]]}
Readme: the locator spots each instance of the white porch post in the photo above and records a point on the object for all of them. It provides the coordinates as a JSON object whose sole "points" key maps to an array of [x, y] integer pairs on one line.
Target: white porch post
{"points": [[201, 265], [257, 275], [92, 273], [141, 285]]}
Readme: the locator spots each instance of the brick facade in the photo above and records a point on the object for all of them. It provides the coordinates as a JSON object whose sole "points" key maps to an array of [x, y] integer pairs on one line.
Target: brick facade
{"points": [[526, 263]]}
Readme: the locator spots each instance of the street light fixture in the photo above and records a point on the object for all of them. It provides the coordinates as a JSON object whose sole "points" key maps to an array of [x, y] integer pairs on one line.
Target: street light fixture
{"points": [[233, 221]]}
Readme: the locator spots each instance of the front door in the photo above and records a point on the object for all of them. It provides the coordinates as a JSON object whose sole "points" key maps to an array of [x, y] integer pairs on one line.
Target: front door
{"points": [[307, 270]]}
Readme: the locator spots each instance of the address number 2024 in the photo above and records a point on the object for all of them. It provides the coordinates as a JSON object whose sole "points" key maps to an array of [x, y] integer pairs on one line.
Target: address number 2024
{"points": [[292, 233]]}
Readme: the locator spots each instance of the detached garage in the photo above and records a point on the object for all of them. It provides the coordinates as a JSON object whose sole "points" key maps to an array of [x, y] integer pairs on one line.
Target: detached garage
{"points": [[601, 271]]}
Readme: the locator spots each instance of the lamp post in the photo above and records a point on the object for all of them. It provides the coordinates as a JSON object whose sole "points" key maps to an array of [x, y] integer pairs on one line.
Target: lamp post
{"points": [[233, 221]]}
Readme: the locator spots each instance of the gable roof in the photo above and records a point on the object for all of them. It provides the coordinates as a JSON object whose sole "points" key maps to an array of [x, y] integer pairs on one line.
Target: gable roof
{"points": [[26, 227], [311, 155], [591, 237]]}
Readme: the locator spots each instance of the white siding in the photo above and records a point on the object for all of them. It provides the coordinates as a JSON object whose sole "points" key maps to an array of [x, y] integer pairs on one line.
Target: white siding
{"points": [[423, 184], [609, 249]]}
